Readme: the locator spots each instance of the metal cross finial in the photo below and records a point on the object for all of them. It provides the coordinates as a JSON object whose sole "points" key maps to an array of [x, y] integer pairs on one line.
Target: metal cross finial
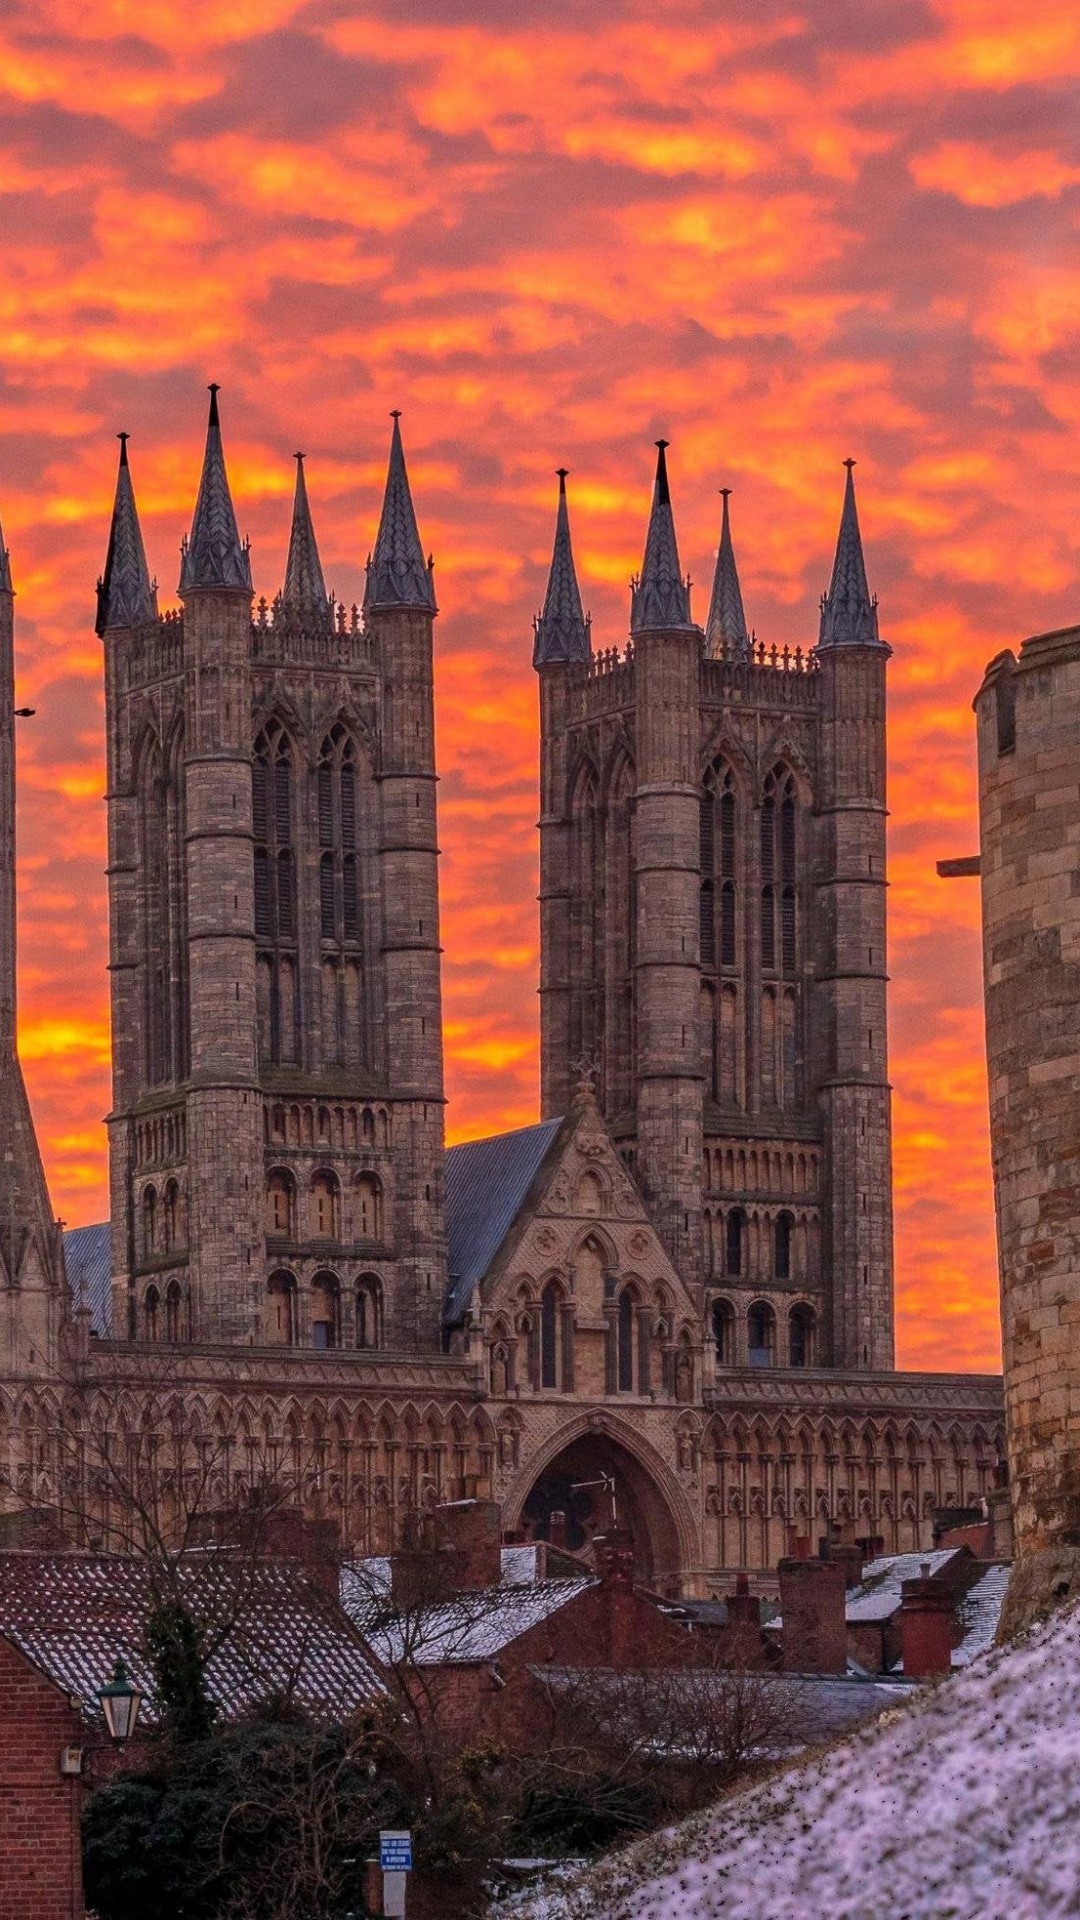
{"points": [[587, 1072], [849, 464]]}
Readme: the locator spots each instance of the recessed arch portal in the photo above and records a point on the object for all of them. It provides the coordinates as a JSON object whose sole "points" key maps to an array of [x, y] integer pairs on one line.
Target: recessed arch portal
{"points": [[648, 1501]]}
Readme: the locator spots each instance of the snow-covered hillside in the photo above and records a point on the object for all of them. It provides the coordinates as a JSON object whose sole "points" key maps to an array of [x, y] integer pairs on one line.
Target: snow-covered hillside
{"points": [[964, 1804]]}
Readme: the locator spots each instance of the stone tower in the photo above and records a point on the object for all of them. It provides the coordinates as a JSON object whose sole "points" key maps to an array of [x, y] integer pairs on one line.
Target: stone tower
{"points": [[712, 887], [33, 1306], [1028, 718], [276, 1133]]}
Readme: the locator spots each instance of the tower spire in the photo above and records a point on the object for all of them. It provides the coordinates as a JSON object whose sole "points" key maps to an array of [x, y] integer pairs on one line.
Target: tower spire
{"points": [[661, 597], [562, 631], [125, 593], [304, 591], [213, 555], [31, 1252], [848, 614], [398, 575], [726, 632]]}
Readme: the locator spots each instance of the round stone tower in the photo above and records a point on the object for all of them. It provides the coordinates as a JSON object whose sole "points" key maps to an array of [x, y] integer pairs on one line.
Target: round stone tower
{"points": [[1028, 713]]}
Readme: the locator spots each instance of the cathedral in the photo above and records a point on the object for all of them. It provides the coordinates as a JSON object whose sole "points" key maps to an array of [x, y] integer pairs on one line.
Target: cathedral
{"points": [[669, 1302]]}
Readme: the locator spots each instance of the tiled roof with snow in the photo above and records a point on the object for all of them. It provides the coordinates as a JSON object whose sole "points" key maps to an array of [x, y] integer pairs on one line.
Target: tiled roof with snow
{"points": [[877, 1596], [465, 1628], [75, 1614], [962, 1803], [978, 1613]]}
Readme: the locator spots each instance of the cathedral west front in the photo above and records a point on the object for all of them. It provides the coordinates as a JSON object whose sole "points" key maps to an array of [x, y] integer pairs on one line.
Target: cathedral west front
{"points": [[672, 1296]]}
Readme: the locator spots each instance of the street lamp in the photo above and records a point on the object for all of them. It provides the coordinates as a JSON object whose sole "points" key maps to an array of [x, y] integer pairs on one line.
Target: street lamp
{"points": [[120, 1703]]}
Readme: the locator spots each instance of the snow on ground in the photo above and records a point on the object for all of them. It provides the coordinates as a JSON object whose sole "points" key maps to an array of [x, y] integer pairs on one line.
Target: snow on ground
{"points": [[965, 1804]]}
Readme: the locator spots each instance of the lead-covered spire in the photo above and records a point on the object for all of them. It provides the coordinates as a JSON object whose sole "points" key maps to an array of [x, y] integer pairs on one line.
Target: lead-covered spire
{"points": [[398, 575], [125, 592], [5, 567], [848, 614], [562, 630], [304, 593], [213, 555], [660, 598], [726, 632]]}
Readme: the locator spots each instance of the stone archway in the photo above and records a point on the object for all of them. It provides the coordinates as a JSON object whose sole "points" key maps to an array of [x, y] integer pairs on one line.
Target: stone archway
{"points": [[648, 1502]]}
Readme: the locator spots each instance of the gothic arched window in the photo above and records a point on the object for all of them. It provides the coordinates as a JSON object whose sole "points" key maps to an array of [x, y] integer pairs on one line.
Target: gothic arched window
{"points": [[325, 1296], [782, 1238], [549, 1335], [734, 1230], [723, 1325], [802, 1328], [369, 1312], [718, 862], [779, 856], [761, 1334], [274, 879], [173, 1312]]}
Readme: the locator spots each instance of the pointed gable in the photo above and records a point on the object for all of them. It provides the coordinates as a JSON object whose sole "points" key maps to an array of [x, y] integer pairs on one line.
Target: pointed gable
{"points": [[533, 1197]]}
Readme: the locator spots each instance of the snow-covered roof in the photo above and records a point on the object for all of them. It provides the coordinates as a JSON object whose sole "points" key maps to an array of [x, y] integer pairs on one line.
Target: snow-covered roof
{"points": [[877, 1596], [961, 1802], [468, 1627], [979, 1613], [75, 1614]]}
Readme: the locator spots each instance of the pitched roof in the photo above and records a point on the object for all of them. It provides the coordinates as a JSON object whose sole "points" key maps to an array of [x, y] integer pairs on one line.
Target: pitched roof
{"points": [[455, 1632], [398, 575], [88, 1258], [660, 599], [213, 555], [562, 631], [125, 594], [486, 1185], [304, 591], [848, 615], [877, 1596], [75, 1614], [725, 629]]}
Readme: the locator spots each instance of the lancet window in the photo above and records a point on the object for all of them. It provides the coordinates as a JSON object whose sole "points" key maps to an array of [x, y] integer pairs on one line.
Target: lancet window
{"points": [[719, 932], [273, 809], [779, 931]]}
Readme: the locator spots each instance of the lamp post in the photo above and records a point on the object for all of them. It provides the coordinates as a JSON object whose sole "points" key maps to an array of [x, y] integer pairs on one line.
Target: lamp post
{"points": [[120, 1703]]}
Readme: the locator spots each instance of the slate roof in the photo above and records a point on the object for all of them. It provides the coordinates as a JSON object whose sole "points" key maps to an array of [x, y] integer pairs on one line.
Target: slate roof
{"points": [[87, 1256], [75, 1614], [979, 1612], [486, 1184]]}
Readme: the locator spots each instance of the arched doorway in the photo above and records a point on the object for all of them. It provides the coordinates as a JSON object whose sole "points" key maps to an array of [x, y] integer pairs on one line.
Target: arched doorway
{"points": [[601, 1481]]}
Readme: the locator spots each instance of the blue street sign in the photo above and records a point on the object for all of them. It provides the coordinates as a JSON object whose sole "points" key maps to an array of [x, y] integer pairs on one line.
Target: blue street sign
{"points": [[395, 1852]]}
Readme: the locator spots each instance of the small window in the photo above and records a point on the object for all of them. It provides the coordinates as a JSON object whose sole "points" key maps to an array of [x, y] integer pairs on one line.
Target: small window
{"points": [[625, 1337], [324, 1206], [723, 1324], [369, 1207], [324, 1311], [782, 1246], [549, 1335], [733, 1241], [801, 1330], [326, 896], [761, 1335], [279, 1195], [369, 1332]]}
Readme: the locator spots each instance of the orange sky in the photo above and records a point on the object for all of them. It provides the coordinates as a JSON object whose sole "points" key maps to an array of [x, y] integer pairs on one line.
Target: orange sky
{"points": [[777, 234]]}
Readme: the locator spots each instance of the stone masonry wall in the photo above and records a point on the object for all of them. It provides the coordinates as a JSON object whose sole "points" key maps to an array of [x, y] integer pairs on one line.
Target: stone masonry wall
{"points": [[1028, 713]]}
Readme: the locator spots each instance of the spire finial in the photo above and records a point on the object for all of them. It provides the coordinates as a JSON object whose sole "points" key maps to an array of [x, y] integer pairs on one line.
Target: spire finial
{"points": [[125, 594], [214, 555], [725, 631], [397, 573], [848, 614], [562, 631], [5, 566], [304, 594], [661, 598]]}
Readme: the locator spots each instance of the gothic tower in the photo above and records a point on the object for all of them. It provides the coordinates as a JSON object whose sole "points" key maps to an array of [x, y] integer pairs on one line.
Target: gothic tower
{"points": [[34, 1302], [713, 937], [276, 1134]]}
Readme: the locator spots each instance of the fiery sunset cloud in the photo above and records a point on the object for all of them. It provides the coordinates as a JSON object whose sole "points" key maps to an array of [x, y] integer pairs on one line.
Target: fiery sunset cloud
{"points": [[779, 236]]}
